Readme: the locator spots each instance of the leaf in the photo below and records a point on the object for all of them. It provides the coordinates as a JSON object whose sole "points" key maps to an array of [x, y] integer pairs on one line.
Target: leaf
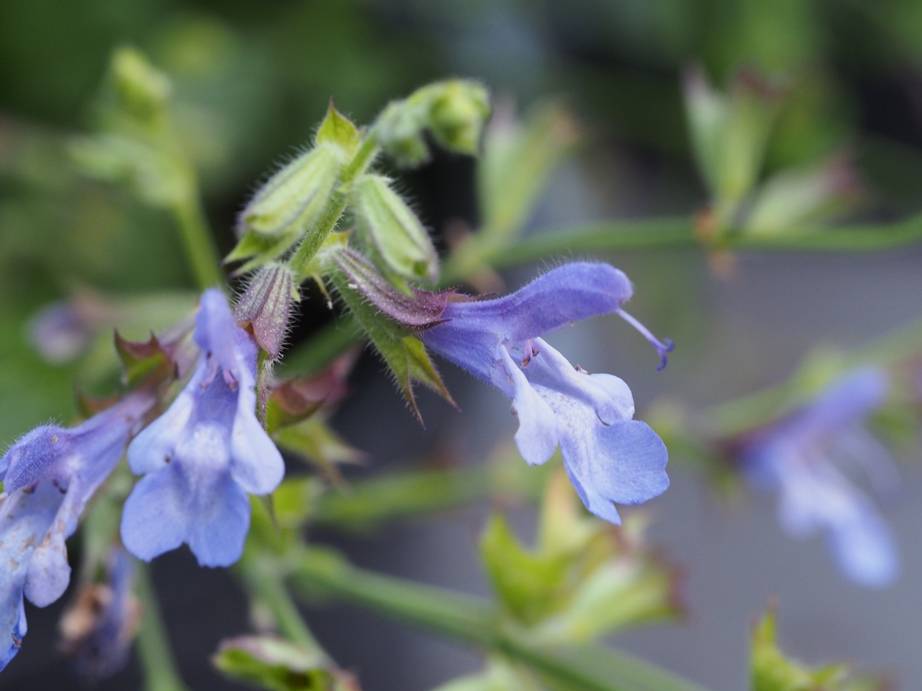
{"points": [[314, 440], [771, 670], [144, 362], [273, 663], [337, 129]]}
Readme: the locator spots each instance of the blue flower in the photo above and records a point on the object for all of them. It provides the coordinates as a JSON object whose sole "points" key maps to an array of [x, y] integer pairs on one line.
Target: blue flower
{"points": [[203, 456], [807, 457], [48, 476], [609, 457]]}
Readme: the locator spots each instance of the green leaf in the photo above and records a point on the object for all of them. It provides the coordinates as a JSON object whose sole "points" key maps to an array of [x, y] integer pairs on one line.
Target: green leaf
{"points": [[315, 441], [771, 670], [337, 129], [275, 664]]}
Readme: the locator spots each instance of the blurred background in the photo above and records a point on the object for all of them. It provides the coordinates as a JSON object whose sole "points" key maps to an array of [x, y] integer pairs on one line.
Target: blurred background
{"points": [[251, 81]]}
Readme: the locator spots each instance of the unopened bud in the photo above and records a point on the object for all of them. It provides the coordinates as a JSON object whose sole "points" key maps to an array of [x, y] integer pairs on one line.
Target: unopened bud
{"points": [[266, 306], [141, 88], [390, 227], [295, 196], [457, 114], [420, 309]]}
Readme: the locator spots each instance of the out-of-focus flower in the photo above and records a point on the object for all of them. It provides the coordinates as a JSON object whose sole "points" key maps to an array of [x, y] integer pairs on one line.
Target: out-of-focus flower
{"points": [[48, 476], [203, 456], [608, 456], [805, 458], [98, 629]]}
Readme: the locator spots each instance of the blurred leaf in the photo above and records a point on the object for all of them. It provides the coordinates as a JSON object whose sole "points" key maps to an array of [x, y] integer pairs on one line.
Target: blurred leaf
{"points": [[772, 671], [276, 664]]}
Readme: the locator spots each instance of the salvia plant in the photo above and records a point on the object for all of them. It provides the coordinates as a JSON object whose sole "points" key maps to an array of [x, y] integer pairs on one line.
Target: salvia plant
{"points": [[198, 446]]}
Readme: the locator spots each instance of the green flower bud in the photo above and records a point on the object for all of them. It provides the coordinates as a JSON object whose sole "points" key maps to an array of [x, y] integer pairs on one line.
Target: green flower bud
{"points": [[400, 131], [457, 114], [392, 230], [142, 90], [295, 196], [454, 111]]}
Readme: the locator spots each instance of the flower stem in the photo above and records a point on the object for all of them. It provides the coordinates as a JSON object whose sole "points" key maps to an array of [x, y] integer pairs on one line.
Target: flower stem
{"points": [[197, 241], [336, 204], [472, 620], [263, 582], [160, 673]]}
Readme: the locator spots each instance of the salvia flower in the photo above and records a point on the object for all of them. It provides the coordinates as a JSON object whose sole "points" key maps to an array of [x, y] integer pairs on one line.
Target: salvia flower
{"points": [[806, 459], [203, 456], [48, 476], [609, 457], [97, 631]]}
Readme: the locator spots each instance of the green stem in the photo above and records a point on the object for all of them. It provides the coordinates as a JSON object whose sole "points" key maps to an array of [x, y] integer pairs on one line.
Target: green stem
{"points": [[679, 233], [157, 663], [735, 417], [336, 205], [200, 249], [472, 620], [263, 582]]}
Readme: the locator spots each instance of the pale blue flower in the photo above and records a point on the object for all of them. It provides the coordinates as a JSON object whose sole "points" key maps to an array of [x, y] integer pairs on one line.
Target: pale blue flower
{"points": [[203, 456], [609, 457], [48, 476], [809, 459]]}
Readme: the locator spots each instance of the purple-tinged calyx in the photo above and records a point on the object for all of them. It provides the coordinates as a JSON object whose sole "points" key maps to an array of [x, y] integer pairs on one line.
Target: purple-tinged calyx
{"points": [[418, 309], [266, 306]]}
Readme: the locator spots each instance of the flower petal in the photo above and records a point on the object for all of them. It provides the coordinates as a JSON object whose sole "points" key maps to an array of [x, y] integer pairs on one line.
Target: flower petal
{"points": [[219, 525], [156, 517], [537, 434], [13, 626], [49, 572], [623, 463], [569, 293], [865, 549], [153, 448], [256, 464]]}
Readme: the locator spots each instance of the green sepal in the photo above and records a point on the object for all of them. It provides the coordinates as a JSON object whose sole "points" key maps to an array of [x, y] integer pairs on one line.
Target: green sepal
{"points": [[259, 249], [337, 129]]}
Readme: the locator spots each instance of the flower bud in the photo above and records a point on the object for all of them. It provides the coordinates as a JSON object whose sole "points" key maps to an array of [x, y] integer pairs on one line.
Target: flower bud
{"points": [[391, 228], [457, 115], [295, 196], [454, 111], [421, 309], [266, 306], [141, 88]]}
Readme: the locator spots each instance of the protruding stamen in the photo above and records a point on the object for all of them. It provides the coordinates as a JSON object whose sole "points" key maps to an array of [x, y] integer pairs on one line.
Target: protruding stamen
{"points": [[663, 347]]}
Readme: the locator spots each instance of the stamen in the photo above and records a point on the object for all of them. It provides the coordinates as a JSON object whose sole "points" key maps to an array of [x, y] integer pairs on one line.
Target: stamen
{"points": [[663, 347]]}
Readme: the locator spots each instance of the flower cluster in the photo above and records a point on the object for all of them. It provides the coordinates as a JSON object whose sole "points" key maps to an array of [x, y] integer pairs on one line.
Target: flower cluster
{"points": [[199, 460]]}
